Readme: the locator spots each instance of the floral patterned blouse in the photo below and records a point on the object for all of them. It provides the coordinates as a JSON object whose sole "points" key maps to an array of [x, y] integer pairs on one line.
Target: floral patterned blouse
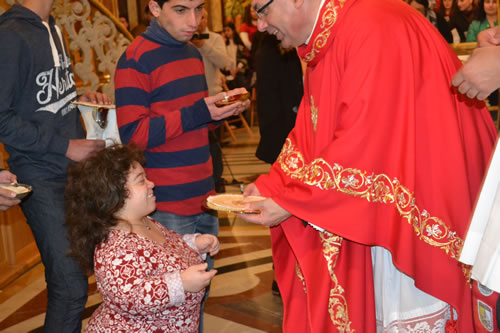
{"points": [[139, 281]]}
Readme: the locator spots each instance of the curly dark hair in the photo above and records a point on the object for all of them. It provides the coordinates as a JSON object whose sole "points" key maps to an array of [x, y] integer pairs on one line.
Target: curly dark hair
{"points": [[95, 192]]}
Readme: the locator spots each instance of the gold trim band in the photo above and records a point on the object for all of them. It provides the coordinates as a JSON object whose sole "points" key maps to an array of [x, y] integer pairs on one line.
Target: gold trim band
{"points": [[374, 188]]}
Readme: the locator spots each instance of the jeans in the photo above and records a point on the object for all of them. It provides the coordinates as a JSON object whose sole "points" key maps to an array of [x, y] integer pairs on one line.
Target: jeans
{"points": [[67, 285], [202, 223]]}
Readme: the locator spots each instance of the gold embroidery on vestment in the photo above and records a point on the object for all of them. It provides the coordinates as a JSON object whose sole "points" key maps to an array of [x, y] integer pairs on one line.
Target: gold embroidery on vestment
{"points": [[314, 114], [337, 305], [327, 21], [374, 188], [299, 274]]}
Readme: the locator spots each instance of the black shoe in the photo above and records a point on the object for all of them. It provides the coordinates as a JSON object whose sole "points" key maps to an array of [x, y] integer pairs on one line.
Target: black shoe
{"points": [[275, 289]]}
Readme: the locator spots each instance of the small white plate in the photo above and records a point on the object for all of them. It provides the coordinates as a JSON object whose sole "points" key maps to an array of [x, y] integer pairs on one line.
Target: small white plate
{"points": [[21, 190]]}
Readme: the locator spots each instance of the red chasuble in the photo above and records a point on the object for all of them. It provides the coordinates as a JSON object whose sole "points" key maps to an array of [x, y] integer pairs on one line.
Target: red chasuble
{"points": [[385, 152]]}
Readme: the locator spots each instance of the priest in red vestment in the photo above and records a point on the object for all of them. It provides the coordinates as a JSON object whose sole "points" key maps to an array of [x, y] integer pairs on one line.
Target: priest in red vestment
{"points": [[370, 198]]}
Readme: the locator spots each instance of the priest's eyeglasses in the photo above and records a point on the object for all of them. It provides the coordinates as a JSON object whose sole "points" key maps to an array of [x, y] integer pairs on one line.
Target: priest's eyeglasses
{"points": [[262, 12]]}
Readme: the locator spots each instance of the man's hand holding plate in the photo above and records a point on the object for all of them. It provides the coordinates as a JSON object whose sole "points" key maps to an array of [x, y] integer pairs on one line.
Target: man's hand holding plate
{"points": [[222, 112]]}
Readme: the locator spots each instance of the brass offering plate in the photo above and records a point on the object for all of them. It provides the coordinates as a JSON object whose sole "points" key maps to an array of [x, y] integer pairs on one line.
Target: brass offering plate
{"points": [[228, 100], [232, 203]]}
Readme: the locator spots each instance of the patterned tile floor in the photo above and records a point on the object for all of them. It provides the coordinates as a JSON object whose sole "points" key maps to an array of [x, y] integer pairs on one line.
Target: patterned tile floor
{"points": [[240, 298]]}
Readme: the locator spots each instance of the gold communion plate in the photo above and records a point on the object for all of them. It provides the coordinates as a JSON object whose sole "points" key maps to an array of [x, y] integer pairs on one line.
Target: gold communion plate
{"points": [[232, 203], [228, 100]]}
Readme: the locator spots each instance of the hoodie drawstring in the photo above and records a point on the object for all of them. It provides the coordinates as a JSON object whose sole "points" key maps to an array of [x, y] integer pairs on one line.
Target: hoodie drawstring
{"points": [[55, 53]]}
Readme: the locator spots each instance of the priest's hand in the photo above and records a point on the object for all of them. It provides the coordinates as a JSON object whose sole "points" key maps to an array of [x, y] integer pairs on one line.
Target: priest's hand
{"points": [[480, 75], [251, 190], [271, 214]]}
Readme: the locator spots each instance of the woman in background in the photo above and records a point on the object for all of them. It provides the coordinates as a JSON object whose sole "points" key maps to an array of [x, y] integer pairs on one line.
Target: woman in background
{"points": [[486, 17], [445, 9], [435, 18], [240, 75], [249, 27], [151, 279], [459, 21], [467, 8]]}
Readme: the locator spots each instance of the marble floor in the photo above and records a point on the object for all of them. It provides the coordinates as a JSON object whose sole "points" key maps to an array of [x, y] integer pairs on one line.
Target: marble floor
{"points": [[240, 298]]}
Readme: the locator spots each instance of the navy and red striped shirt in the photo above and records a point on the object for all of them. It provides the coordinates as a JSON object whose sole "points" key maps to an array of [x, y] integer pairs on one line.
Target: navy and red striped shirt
{"points": [[159, 89]]}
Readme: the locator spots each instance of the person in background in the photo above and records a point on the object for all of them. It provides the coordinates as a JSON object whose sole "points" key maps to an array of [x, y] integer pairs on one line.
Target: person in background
{"points": [[360, 240], [448, 10], [279, 89], [214, 54], [435, 18], [162, 106], [146, 19], [123, 20], [445, 9], [7, 198], [240, 74], [467, 8], [486, 17], [215, 58], [249, 27], [43, 134], [458, 22], [151, 279]]}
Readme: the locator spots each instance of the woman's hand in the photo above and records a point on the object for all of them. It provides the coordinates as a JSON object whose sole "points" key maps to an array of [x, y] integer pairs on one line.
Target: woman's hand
{"points": [[207, 243], [195, 277]]}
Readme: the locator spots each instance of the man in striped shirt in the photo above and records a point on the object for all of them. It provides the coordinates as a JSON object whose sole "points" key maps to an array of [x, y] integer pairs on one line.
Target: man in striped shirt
{"points": [[162, 106]]}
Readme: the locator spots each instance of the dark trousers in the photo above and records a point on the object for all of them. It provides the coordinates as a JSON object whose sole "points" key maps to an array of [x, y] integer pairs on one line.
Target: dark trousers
{"points": [[216, 152], [67, 286]]}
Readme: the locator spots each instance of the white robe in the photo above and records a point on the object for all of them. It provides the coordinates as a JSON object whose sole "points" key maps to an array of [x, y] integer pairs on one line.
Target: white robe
{"points": [[482, 244]]}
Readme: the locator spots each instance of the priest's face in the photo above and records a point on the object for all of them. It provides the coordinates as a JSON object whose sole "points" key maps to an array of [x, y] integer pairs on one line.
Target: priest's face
{"points": [[282, 19]]}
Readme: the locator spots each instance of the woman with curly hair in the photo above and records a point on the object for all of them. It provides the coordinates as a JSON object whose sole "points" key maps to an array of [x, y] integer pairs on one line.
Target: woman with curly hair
{"points": [[151, 279]]}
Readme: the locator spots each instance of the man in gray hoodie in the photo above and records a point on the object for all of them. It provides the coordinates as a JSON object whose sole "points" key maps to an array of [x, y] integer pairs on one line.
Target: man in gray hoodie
{"points": [[43, 134]]}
